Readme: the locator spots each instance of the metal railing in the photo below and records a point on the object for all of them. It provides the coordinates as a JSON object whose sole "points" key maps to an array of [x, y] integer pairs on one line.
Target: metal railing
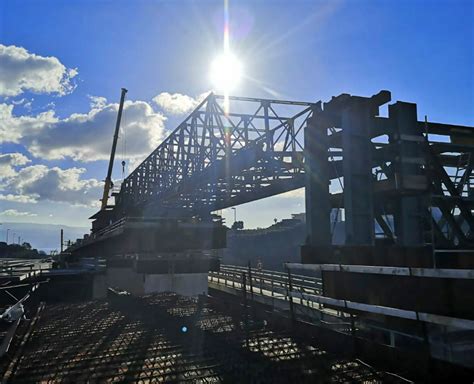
{"points": [[301, 298], [286, 292], [274, 282], [22, 269]]}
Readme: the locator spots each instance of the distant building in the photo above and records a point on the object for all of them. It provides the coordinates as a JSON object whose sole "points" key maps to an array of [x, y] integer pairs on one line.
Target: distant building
{"points": [[276, 244], [299, 216]]}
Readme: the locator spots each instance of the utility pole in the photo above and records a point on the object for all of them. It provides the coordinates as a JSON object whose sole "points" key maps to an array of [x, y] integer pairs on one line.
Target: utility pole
{"points": [[108, 179], [235, 213], [8, 230], [62, 240]]}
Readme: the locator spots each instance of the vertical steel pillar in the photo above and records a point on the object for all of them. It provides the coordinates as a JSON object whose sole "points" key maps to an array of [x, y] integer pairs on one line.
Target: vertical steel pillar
{"points": [[246, 122], [269, 139], [317, 197], [245, 312], [357, 119], [408, 140], [290, 297]]}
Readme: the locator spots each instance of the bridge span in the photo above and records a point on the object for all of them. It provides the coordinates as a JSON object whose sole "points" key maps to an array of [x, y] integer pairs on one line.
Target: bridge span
{"points": [[402, 187]]}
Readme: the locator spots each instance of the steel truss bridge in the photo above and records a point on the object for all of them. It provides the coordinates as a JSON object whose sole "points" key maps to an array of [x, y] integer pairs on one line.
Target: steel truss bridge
{"points": [[403, 187], [214, 160]]}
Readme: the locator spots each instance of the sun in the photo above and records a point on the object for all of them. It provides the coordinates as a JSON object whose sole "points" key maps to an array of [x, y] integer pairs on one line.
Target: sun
{"points": [[226, 72]]}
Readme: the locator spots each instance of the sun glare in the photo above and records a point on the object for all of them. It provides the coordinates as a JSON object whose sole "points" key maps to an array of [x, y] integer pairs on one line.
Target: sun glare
{"points": [[226, 72]]}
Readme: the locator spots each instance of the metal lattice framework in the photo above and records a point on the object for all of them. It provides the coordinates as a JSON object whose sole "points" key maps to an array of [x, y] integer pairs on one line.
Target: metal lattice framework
{"points": [[216, 159], [415, 174]]}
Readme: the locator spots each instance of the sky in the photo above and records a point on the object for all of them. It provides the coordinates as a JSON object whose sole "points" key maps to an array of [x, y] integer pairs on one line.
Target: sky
{"points": [[62, 65]]}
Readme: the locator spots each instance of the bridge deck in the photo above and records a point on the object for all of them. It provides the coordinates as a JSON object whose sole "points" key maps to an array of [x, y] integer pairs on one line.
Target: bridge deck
{"points": [[141, 340]]}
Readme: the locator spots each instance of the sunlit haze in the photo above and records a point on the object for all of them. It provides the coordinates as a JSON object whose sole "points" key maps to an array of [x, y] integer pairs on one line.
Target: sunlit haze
{"points": [[226, 72]]}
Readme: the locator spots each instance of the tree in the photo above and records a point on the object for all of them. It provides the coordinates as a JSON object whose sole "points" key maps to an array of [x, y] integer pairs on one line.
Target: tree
{"points": [[238, 225]]}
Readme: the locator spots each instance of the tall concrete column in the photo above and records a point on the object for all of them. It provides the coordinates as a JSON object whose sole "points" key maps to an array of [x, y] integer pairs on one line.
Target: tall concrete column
{"points": [[318, 204], [357, 119], [408, 140]]}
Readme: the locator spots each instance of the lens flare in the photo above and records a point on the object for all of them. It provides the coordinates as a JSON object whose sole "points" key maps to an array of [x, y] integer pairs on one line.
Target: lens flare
{"points": [[226, 72], [226, 69]]}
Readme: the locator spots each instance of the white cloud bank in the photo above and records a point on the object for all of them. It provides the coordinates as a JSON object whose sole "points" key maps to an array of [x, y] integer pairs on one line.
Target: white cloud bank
{"points": [[16, 198], [15, 213], [13, 128], [176, 103], [9, 161], [22, 71], [39, 183], [88, 137], [84, 136]]}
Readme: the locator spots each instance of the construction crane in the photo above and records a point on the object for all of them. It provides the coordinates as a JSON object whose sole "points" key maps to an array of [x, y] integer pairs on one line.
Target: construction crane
{"points": [[108, 180]]}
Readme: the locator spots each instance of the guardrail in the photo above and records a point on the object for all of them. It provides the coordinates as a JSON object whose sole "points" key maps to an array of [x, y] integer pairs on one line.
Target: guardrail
{"points": [[301, 298], [259, 280], [21, 269], [285, 292]]}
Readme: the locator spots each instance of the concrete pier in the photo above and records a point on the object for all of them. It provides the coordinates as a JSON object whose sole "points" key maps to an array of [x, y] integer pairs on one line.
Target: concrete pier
{"points": [[183, 273]]}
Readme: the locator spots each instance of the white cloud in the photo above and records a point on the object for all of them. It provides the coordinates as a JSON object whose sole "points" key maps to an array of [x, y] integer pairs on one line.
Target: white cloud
{"points": [[176, 103], [15, 213], [22, 71], [97, 102], [8, 162], [17, 198], [39, 183], [85, 136], [13, 128]]}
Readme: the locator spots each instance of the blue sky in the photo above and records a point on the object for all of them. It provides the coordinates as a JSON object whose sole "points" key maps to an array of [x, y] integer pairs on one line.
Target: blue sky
{"points": [[303, 50]]}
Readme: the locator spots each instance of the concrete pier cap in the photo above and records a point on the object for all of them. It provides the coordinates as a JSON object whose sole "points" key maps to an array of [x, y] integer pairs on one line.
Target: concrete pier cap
{"points": [[184, 273]]}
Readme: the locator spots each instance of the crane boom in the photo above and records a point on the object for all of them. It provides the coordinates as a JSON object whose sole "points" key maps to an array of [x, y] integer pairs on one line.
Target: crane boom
{"points": [[108, 179]]}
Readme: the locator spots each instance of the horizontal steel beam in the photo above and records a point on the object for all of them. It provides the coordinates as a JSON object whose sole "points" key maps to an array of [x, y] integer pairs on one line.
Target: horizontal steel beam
{"points": [[399, 271]]}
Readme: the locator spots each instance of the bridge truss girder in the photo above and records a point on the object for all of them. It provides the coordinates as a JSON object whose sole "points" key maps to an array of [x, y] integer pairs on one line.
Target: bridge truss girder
{"points": [[216, 159]]}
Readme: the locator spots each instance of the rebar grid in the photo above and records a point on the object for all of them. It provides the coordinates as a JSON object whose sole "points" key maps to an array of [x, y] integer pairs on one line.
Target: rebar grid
{"points": [[131, 339]]}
